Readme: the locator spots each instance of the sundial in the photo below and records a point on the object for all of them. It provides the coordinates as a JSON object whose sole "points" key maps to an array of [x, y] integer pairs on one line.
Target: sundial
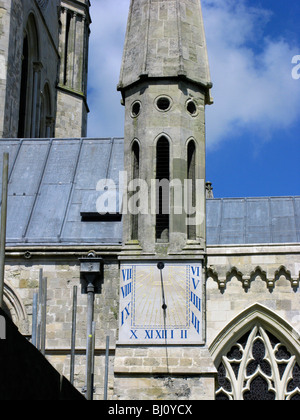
{"points": [[161, 302]]}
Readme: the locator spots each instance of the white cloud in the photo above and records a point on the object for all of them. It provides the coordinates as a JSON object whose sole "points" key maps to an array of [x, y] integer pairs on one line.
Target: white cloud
{"points": [[253, 88], [106, 47]]}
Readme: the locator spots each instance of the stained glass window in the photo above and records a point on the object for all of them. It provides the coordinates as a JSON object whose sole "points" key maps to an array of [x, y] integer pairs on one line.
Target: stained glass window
{"points": [[258, 367]]}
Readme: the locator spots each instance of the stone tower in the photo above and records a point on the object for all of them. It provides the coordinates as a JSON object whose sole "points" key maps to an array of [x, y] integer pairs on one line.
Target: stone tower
{"points": [[165, 85], [72, 108]]}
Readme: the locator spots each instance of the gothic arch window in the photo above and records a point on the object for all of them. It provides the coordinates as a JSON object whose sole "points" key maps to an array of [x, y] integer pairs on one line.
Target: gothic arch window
{"points": [[260, 363], [191, 176], [29, 85], [162, 190], [23, 88], [135, 176]]}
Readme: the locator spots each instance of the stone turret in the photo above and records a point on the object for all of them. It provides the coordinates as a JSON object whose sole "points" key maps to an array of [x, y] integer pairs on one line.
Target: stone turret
{"points": [[72, 107], [165, 85]]}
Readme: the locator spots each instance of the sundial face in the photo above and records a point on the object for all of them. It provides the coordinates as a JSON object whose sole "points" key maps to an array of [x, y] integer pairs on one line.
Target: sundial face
{"points": [[161, 306]]}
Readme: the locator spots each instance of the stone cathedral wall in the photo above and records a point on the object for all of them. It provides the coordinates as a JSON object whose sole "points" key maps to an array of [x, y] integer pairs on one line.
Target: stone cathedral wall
{"points": [[13, 19], [237, 279], [22, 279]]}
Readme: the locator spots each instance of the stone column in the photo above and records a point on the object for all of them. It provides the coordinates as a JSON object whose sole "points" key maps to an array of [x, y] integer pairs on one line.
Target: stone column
{"points": [[37, 67], [80, 41], [71, 51], [62, 45]]}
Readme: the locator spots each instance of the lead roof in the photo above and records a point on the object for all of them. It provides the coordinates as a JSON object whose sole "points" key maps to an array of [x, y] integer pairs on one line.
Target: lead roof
{"points": [[52, 195]]}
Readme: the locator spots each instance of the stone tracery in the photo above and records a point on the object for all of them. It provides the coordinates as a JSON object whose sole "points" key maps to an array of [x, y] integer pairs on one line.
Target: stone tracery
{"points": [[258, 367]]}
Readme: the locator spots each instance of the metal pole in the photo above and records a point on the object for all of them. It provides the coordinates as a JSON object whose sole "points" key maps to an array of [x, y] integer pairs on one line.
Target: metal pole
{"points": [[89, 353], [3, 224], [93, 357], [73, 340], [39, 318], [106, 368], [44, 317], [34, 319]]}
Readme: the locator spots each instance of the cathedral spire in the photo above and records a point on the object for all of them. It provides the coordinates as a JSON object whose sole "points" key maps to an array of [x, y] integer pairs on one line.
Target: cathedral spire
{"points": [[165, 39]]}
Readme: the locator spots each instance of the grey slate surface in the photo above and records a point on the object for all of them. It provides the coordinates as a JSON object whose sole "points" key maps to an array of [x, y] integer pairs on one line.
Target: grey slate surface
{"points": [[48, 184], [53, 181], [253, 220]]}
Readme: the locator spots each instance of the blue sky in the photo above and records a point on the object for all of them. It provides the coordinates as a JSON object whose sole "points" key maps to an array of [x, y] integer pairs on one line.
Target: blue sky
{"points": [[253, 128]]}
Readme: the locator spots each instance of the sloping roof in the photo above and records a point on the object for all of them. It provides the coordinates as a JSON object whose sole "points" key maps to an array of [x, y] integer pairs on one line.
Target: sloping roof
{"points": [[52, 199], [253, 220], [50, 180]]}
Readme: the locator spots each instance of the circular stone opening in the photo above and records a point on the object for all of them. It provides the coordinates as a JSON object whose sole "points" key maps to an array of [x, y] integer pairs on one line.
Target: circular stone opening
{"points": [[163, 103], [191, 107], [136, 109]]}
